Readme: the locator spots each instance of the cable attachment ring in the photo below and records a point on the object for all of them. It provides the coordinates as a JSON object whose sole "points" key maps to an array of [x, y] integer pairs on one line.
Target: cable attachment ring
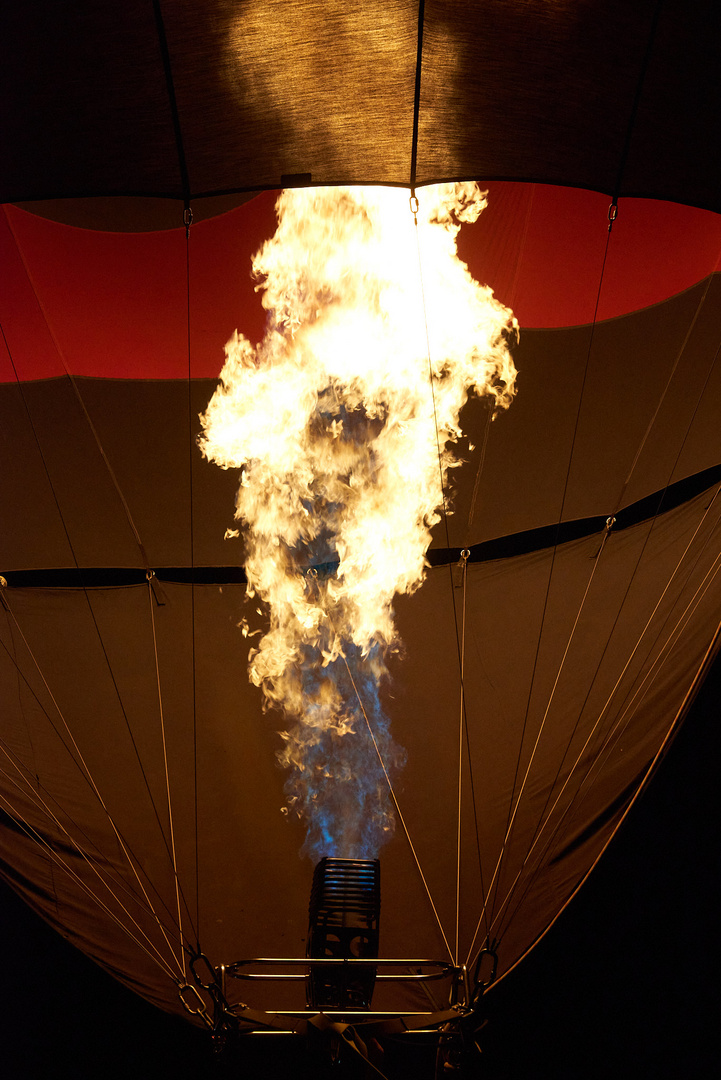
{"points": [[187, 220], [209, 981], [414, 205], [460, 568], [481, 985], [212, 981], [201, 1009]]}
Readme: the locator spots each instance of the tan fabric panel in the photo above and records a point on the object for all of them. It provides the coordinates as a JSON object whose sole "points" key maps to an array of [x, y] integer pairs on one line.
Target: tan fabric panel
{"points": [[603, 696]]}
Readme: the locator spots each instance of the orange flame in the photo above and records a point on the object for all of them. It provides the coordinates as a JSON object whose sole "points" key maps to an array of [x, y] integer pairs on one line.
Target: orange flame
{"points": [[342, 423]]}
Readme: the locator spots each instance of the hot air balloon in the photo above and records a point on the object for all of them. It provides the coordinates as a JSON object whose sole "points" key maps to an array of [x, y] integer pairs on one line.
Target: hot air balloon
{"points": [[569, 610]]}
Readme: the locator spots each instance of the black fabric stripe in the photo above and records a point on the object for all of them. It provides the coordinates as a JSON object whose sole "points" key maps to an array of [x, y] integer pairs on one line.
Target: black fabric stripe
{"points": [[504, 547]]}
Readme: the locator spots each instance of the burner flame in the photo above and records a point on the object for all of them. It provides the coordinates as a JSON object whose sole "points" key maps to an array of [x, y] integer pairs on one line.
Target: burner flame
{"points": [[342, 422]]}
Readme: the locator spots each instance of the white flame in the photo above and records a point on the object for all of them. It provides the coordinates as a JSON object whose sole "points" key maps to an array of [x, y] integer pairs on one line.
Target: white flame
{"points": [[342, 421]]}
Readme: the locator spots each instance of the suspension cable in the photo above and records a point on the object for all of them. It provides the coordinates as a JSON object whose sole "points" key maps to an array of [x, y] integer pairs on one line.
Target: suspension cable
{"points": [[396, 805], [710, 653], [417, 97], [644, 439], [67, 534], [681, 623], [34, 835], [464, 556], [167, 775], [79, 762], [511, 809], [40, 803], [632, 705], [512, 819], [672, 637], [42, 798], [79, 397], [460, 646], [188, 221], [326, 612]]}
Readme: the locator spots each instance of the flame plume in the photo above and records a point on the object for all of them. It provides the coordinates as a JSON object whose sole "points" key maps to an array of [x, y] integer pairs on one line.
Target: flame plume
{"points": [[337, 433]]}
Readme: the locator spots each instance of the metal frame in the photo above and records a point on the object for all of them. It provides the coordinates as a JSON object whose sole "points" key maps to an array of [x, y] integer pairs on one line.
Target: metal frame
{"points": [[461, 998], [452, 1030]]}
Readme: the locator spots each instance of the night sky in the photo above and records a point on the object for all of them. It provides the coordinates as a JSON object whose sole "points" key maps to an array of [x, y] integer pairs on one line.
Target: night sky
{"points": [[622, 986]]}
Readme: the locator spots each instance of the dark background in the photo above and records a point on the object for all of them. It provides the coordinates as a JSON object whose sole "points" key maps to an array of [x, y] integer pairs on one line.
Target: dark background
{"points": [[622, 985]]}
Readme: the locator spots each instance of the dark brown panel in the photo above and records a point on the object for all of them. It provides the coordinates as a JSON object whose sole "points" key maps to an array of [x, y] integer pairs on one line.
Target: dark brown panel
{"points": [[597, 94]]}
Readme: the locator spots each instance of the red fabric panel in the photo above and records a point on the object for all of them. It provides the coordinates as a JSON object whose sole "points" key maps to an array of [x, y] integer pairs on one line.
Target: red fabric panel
{"points": [[541, 250], [116, 303], [26, 342]]}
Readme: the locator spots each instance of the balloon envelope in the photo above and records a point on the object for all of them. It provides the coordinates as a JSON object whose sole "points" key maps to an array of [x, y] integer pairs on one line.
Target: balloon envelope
{"points": [[140, 793]]}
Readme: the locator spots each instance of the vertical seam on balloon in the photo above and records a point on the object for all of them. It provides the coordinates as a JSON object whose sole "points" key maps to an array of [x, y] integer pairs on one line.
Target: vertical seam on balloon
{"points": [[479, 473], [522, 244], [482, 462], [172, 101], [417, 98], [626, 148], [167, 780], [473, 800], [444, 499]]}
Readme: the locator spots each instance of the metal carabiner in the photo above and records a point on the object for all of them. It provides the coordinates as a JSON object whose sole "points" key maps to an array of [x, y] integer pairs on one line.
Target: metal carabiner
{"points": [[213, 982], [202, 1009], [479, 984]]}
